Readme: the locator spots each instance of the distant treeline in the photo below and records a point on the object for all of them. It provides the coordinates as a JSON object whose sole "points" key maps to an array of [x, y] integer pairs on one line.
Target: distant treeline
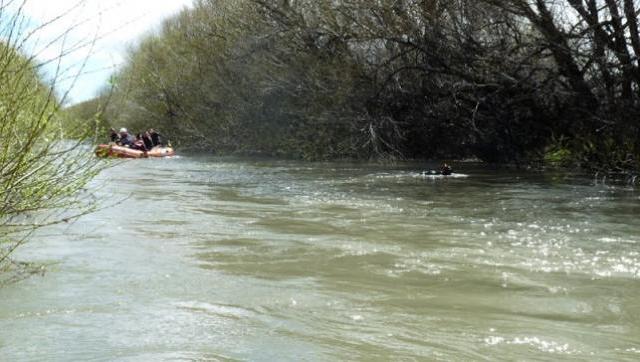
{"points": [[509, 81]]}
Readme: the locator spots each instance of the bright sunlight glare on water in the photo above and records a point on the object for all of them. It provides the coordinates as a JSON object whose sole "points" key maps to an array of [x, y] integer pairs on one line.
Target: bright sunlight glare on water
{"points": [[207, 258]]}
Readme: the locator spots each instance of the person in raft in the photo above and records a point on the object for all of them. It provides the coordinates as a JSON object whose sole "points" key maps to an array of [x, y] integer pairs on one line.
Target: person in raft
{"points": [[138, 144], [148, 142], [113, 136], [126, 139], [156, 138]]}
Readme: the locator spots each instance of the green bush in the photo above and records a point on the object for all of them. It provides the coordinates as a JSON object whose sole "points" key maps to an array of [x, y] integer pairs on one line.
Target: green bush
{"points": [[42, 168]]}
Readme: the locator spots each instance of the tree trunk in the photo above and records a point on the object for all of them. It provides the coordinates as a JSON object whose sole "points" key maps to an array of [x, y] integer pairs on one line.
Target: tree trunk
{"points": [[561, 52]]}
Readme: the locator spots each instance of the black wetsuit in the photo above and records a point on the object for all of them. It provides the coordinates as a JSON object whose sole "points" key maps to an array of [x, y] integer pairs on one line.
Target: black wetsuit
{"points": [[148, 142], [156, 139]]}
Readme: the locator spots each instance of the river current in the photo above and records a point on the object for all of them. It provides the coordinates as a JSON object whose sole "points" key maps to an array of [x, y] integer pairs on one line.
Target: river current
{"points": [[206, 259]]}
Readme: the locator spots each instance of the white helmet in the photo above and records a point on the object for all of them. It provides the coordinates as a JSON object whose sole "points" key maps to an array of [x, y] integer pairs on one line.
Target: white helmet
{"points": [[123, 130]]}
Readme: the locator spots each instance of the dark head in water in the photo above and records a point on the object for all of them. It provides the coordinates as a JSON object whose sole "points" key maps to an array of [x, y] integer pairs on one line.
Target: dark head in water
{"points": [[445, 169]]}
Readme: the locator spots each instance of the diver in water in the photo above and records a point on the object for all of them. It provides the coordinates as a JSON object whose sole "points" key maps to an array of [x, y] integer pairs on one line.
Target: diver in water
{"points": [[445, 169]]}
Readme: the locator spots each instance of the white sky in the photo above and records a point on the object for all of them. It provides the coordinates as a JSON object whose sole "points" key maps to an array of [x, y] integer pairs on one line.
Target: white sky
{"points": [[116, 23]]}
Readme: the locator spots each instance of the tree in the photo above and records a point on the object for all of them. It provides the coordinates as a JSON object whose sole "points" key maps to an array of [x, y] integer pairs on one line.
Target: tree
{"points": [[507, 81], [595, 45], [43, 171]]}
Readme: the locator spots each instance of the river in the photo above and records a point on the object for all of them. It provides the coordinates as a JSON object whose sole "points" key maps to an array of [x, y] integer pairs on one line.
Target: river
{"points": [[206, 259]]}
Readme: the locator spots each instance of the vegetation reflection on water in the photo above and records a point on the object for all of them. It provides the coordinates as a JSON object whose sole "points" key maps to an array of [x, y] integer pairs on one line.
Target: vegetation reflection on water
{"points": [[215, 258]]}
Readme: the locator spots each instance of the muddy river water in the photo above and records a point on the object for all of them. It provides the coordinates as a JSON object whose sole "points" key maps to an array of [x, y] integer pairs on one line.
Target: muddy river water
{"points": [[209, 258]]}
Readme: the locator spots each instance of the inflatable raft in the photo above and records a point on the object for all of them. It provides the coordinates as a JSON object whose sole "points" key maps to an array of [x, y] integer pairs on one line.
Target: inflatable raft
{"points": [[125, 152]]}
